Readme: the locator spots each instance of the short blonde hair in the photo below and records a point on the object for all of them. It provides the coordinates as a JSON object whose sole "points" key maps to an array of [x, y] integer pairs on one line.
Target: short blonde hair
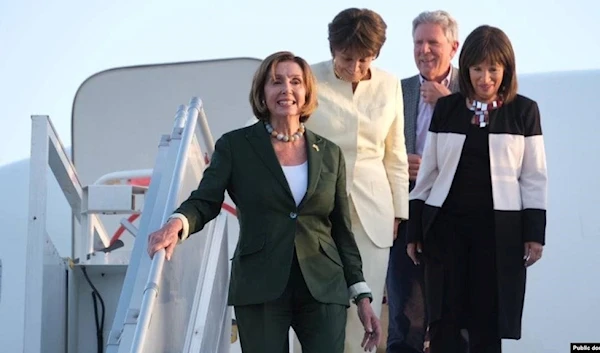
{"points": [[266, 70]]}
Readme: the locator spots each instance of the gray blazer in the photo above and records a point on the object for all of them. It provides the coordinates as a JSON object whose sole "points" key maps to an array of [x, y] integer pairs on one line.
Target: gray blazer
{"points": [[410, 91]]}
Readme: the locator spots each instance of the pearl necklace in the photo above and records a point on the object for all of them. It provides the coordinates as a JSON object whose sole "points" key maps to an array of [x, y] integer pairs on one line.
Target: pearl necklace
{"points": [[284, 137]]}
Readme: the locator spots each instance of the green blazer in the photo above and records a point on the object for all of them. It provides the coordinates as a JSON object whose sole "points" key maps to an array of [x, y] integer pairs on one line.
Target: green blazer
{"points": [[271, 225]]}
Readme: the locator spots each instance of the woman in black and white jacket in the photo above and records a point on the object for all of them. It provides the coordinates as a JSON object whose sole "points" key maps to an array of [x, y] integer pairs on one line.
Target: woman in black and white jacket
{"points": [[478, 210]]}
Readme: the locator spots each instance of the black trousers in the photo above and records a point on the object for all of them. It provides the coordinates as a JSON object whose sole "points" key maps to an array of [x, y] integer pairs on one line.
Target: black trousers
{"points": [[462, 256], [402, 276], [264, 328], [406, 334]]}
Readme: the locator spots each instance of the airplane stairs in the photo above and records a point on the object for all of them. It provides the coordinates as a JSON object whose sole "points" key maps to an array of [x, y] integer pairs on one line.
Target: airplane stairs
{"points": [[152, 305]]}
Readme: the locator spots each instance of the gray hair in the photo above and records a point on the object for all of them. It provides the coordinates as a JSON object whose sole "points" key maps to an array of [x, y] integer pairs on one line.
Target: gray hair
{"points": [[440, 18]]}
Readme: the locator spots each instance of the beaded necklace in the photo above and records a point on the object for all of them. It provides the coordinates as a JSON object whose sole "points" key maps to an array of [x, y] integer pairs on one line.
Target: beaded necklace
{"points": [[284, 137], [482, 110]]}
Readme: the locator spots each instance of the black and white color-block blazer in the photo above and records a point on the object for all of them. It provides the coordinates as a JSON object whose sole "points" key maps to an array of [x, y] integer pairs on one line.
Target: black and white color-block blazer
{"points": [[517, 163]]}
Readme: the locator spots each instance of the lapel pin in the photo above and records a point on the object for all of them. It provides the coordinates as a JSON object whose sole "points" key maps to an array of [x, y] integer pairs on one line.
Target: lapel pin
{"points": [[315, 147]]}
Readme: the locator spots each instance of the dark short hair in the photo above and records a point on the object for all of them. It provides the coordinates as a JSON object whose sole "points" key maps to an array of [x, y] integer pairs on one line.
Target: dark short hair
{"points": [[488, 44], [266, 70], [355, 30]]}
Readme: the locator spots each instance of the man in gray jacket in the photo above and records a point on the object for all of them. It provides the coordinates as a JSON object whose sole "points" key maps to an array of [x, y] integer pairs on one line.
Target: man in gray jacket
{"points": [[435, 38]]}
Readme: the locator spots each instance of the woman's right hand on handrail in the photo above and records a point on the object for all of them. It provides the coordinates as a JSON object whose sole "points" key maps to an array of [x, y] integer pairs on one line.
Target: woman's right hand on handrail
{"points": [[165, 238]]}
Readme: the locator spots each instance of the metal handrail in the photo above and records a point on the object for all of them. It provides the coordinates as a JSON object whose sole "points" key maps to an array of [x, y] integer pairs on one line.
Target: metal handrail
{"points": [[152, 286], [205, 129]]}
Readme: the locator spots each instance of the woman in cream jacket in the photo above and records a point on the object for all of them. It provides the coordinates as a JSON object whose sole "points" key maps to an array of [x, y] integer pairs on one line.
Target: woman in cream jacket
{"points": [[361, 110]]}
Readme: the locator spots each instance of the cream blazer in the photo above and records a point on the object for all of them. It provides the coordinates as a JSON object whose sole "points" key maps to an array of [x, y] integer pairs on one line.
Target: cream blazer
{"points": [[369, 127]]}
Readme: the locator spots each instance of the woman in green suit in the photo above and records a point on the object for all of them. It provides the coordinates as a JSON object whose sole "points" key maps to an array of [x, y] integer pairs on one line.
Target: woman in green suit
{"points": [[296, 263]]}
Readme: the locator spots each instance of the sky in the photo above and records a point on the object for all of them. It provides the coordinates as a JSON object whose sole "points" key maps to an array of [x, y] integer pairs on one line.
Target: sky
{"points": [[48, 48]]}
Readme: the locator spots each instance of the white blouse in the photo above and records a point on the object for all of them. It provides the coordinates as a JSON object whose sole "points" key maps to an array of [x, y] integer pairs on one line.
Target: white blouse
{"points": [[297, 178]]}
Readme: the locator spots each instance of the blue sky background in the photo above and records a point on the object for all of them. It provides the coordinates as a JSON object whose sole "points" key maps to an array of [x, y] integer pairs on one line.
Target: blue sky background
{"points": [[48, 48]]}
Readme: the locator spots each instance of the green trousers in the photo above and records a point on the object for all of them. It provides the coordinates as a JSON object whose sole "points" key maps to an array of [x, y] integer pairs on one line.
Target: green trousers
{"points": [[264, 328]]}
